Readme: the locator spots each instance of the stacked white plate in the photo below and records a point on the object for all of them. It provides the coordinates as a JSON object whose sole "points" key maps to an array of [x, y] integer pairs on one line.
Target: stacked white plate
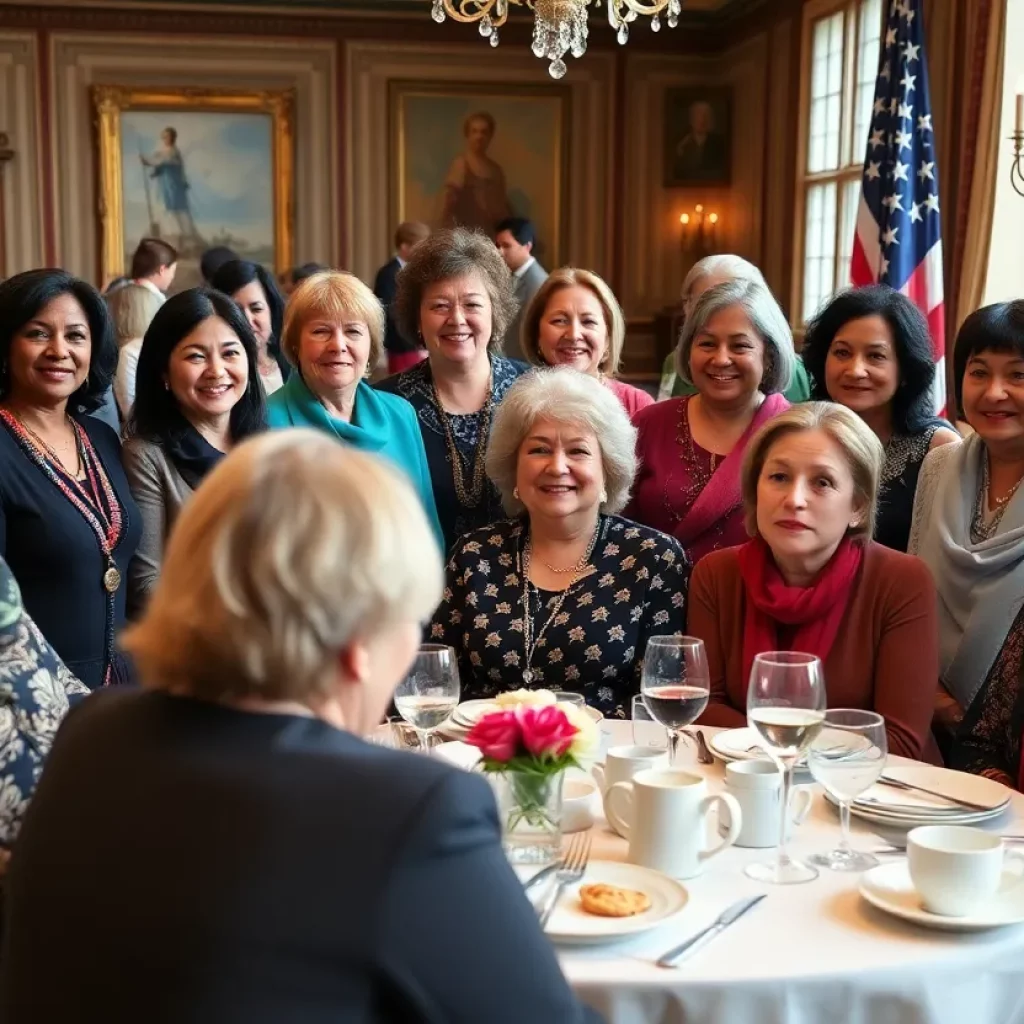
{"points": [[469, 712], [739, 745]]}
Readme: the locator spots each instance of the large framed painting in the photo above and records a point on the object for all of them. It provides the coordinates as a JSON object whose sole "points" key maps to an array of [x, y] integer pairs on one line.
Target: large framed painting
{"points": [[698, 137], [472, 154], [196, 168]]}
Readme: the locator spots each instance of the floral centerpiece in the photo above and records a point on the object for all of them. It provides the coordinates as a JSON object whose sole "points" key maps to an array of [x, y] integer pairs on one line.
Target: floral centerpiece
{"points": [[527, 747]]}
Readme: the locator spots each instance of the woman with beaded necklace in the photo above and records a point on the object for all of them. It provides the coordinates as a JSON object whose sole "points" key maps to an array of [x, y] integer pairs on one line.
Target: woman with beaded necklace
{"points": [[455, 294]]}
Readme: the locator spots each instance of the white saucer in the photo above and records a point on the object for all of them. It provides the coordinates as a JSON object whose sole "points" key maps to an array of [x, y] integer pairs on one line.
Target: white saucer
{"points": [[888, 887], [571, 924]]}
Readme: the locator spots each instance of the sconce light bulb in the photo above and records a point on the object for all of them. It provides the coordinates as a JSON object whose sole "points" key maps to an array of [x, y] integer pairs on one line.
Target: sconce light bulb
{"points": [[699, 208], [713, 218], [684, 218]]}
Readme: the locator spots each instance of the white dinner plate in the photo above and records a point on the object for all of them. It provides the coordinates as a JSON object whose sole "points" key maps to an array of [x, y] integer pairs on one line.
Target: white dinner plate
{"points": [[734, 745], [570, 923], [888, 887], [469, 712]]}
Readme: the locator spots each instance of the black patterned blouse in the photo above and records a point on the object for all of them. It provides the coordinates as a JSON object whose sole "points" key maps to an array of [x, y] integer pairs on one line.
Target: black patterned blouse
{"points": [[416, 386], [897, 486], [595, 643]]}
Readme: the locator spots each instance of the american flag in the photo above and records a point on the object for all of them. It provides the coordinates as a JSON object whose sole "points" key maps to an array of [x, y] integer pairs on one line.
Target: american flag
{"points": [[898, 241]]}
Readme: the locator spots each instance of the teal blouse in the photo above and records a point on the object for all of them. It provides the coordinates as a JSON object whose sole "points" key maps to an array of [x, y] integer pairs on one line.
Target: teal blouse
{"points": [[381, 423]]}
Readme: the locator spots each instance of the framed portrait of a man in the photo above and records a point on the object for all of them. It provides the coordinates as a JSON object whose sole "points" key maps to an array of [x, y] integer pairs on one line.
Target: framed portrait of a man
{"points": [[698, 135]]}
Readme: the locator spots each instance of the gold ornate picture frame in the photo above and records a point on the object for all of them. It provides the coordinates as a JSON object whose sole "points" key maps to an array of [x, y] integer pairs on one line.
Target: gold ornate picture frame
{"points": [[212, 167]]}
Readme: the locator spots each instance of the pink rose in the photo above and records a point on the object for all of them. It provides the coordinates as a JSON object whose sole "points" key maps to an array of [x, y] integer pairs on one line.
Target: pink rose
{"points": [[546, 730], [497, 735]]}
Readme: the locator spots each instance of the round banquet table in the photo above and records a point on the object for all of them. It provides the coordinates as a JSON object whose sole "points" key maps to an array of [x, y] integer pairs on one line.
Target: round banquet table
{"points": [[815, 953]]}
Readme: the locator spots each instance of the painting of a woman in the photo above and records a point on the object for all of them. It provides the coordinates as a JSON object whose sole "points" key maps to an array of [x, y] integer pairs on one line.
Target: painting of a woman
{"points": [[168, 168], [475, 191]]}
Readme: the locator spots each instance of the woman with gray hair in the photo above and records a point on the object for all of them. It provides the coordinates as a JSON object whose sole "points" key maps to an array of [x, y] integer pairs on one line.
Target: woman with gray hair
{"points": [[564, 594], [737, 351], [455, 298]]}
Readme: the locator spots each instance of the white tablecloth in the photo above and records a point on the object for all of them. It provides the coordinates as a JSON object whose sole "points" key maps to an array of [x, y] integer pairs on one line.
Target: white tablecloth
{"points": [[808, 954]]}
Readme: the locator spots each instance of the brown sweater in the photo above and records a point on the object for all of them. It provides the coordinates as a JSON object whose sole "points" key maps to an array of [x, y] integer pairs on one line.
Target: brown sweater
{"points": [[885, 657]]}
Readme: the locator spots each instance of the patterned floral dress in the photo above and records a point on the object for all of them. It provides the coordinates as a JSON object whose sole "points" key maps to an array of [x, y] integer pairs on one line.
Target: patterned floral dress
{"points": [[593, 644]]}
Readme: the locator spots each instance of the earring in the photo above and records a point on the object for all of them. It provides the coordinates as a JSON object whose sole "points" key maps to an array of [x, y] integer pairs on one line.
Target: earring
{"points": [[515, 493], [167, 385]]}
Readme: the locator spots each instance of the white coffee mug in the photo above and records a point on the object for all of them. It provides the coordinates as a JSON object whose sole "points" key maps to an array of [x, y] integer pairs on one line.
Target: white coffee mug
{"points": [[580, 801], [955, 868], [664, 815], [757, 787], [622, 763]]}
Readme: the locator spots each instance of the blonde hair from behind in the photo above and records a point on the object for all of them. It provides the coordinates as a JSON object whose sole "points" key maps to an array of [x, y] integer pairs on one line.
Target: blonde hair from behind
{"points": [[334, 296], [132, 309], [568, 277], [293, 548], [859, 443]]}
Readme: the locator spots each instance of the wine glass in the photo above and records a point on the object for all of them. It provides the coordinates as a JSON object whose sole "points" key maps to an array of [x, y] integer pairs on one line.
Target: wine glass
{"points": [[847, 757], [786, 708], [675, 684], [430, 691]]}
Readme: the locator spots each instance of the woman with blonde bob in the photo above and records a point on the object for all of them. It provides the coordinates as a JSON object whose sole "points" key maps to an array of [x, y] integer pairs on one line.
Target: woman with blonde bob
{"points": [[564, 594], [334, 336], [574, 320], [811, 579], [267, 837]]}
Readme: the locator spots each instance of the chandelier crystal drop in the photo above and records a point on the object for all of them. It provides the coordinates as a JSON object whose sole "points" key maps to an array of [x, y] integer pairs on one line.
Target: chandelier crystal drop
{"points": [[560, 26]]}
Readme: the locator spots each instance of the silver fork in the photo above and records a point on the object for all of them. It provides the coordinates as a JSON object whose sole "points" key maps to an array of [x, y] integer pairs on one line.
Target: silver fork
{"points": [[572, 869]]}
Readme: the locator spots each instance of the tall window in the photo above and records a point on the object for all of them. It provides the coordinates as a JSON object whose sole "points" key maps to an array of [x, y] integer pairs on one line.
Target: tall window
{"points": [[841, 46]]}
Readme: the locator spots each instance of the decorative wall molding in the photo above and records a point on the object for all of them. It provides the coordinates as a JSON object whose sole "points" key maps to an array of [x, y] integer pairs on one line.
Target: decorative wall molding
{"points": [[79, 61]]}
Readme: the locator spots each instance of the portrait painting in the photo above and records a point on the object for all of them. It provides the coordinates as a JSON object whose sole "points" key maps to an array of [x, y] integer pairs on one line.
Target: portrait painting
{"points": [[698, 133], [472, 155], [195, 169]]}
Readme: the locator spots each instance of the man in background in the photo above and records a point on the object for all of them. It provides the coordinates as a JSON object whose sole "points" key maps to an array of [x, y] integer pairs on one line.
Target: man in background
{"points": [[515, 239], [291, 279], [154, 265], [401, 354], [213, 259]]}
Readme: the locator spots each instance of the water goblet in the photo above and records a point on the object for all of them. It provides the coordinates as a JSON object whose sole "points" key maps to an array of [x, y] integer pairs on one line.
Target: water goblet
{"points": [[430, 691]]}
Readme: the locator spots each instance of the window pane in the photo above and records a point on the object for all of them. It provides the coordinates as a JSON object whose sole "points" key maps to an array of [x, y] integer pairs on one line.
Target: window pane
{"points": [[826, 94], [819, 246], [867, 71], [848, 225]]}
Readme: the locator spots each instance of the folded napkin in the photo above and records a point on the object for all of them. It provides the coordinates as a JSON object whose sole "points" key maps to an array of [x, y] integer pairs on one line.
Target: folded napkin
{"points": [[462, 755]]}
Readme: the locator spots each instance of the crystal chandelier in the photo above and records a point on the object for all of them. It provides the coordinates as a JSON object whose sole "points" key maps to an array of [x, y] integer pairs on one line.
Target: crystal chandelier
{"points": [[560, 26]]}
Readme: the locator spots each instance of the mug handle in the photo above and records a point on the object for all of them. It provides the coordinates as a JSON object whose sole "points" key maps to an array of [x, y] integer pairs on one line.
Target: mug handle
{"points": [[598, 772], [801, 799], [735, 822], [619, 821], [1015, 857]]}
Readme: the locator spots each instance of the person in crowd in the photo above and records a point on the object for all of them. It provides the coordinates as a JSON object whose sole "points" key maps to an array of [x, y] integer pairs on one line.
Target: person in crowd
{"points": [[288, 611], [870, 350], [574, 320], [705, 274], [253, 288], [813, 580], [737, 350], [566, 593], [401, 354], [334, 335], [212, 260], [132, 309], [197, 396], [291, 279], [456, 294], [968, 527], [515, 238], [154, 265], [68, 525], [116, 285]]}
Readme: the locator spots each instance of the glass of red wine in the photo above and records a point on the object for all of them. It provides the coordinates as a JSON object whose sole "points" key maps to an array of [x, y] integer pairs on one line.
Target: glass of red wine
{"points": [[675, 684]]}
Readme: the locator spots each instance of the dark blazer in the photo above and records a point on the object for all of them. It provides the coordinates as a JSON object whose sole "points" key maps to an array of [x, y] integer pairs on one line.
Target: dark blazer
{"points": [[186, 862], [384, 287]]}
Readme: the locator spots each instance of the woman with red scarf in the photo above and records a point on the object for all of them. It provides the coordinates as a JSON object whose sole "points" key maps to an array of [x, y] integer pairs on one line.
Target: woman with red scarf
{"points": [[812, 580]]}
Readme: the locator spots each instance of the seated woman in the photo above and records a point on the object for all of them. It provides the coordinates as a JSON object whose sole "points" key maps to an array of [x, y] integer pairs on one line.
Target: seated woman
{"points": [[334, 336], [812, 580], [870, 350], [281, 868], [737, 349], [574, 320], [565, 594], [197, 395], [969, 529]]}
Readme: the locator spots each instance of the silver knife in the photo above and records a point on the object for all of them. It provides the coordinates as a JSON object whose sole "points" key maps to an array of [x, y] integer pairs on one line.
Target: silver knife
{"points": [[695, 942]]}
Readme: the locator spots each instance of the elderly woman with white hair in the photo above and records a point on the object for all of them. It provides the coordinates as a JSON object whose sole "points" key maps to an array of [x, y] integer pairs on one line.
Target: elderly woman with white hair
{"points": [[737, 350], [278, 867], [566, 593]]}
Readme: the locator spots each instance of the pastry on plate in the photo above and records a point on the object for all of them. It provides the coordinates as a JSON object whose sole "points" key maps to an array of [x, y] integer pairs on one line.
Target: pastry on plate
{"points": [[611, 901]]}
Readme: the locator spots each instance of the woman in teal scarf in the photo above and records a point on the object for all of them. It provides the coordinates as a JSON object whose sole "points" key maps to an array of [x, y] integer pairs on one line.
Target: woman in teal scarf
{"points": [[333, 334]]}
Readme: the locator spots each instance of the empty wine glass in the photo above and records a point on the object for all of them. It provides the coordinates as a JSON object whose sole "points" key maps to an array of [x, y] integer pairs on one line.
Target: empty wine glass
{"points": [[675, 684], [847, 757], [430, 691], [786, 707]]}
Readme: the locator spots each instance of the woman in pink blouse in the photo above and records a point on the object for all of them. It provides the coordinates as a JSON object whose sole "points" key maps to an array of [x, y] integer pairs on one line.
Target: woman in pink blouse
{"points": [[574, 320], [736, 349]]}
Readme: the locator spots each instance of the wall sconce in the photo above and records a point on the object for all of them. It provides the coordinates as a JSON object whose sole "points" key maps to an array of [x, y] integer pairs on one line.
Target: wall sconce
{"points": [[699, 229], [1017, 138]]}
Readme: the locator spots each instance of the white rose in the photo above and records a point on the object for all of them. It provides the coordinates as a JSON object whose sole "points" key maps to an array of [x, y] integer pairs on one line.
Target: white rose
{"points": [[515, 698], [587, 740]]}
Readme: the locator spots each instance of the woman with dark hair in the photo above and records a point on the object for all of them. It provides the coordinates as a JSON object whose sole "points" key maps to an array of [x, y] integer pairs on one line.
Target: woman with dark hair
{"points": [[68, 525], [253, 288], [969, 529], [870, 350], [197, 394]]}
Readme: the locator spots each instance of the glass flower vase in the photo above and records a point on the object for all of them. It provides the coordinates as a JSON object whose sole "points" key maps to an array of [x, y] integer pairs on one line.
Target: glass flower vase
{"points": [[530, 806]]}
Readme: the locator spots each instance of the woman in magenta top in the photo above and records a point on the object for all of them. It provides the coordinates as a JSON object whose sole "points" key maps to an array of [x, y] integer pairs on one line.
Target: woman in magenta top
{"points": [[574, 320], [737, 351]]}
